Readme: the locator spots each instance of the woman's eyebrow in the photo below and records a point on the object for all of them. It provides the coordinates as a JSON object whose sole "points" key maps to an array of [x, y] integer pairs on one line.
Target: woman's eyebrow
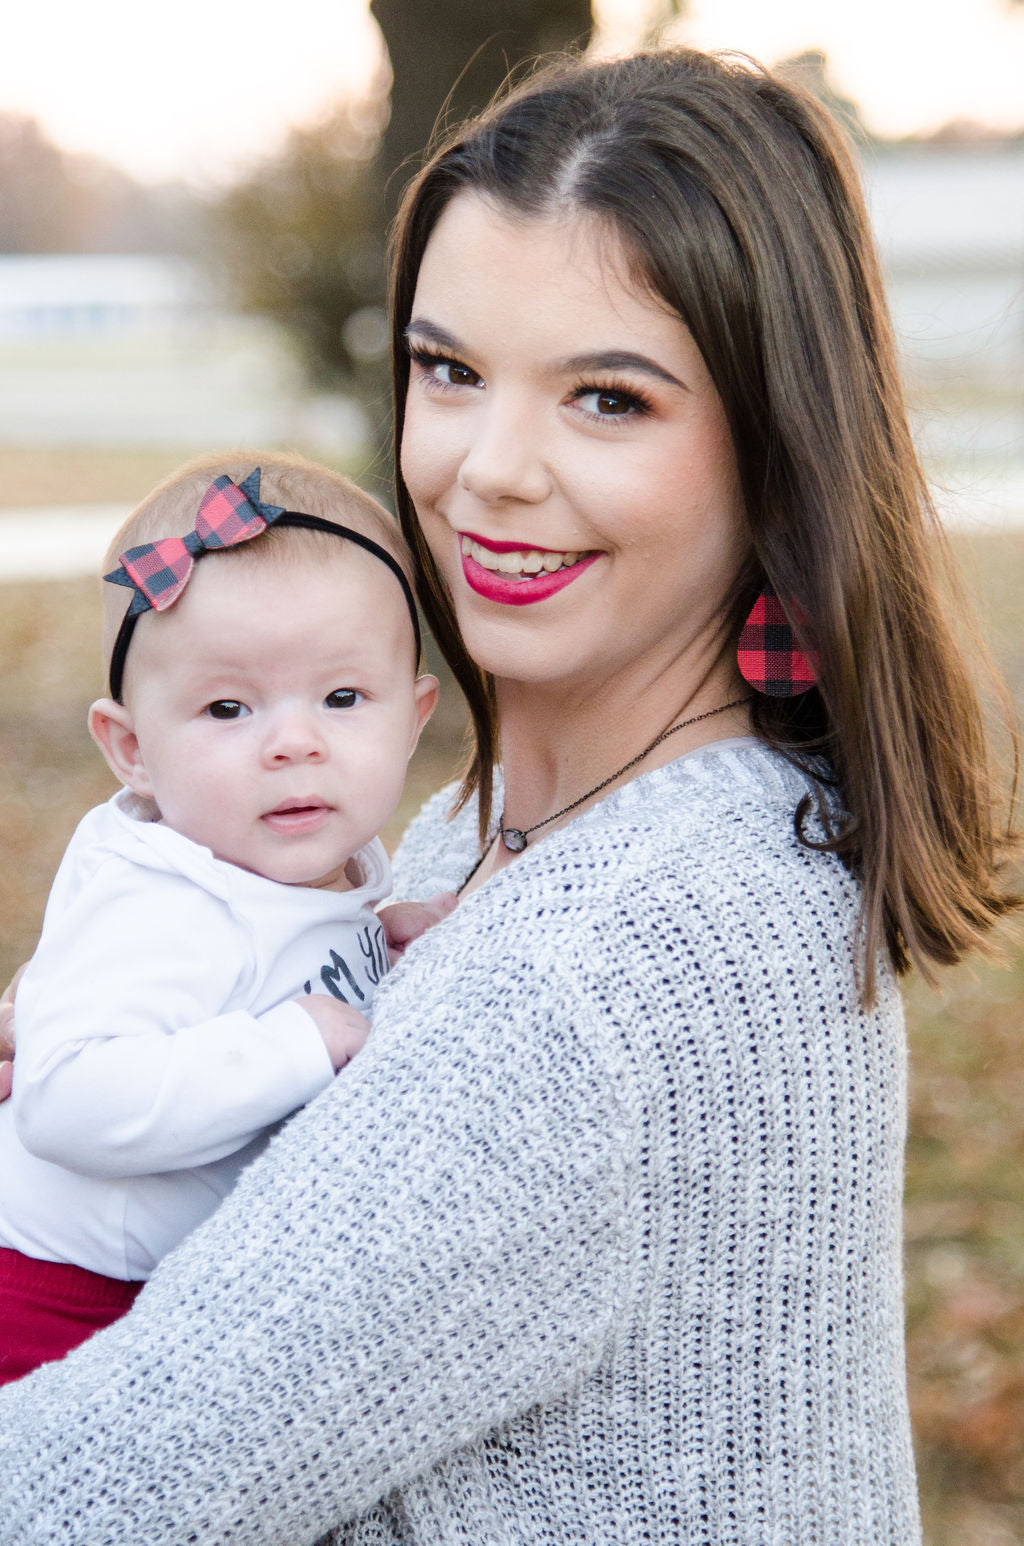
{"points": [[618, 359], [432, 333], [575, 364]]}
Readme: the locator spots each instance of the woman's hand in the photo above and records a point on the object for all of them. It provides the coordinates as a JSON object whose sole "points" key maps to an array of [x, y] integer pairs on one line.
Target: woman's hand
{"points": [[7, 1033], [405, 921]]}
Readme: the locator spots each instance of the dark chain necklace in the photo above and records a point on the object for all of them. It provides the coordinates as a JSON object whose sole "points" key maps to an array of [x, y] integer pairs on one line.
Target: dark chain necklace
{"points": [[515, 839]]}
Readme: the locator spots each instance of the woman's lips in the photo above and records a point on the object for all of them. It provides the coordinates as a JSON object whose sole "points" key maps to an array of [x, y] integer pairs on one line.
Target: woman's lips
{"points": [[517, 588], [494, 586], [297, 816], [494, 546]]}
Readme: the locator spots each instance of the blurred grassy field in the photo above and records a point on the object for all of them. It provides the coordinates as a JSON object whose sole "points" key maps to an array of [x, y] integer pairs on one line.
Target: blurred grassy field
{"points": [[965, 1177], [965, 1184]]}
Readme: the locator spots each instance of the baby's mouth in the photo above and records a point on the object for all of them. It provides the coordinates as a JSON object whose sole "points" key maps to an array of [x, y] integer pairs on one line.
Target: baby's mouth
{"points": [[520, 563], [296, 815]]}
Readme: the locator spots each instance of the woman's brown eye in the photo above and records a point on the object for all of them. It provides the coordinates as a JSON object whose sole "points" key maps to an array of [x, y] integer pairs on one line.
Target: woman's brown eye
{"points": [[609, 404], [461, 375]]}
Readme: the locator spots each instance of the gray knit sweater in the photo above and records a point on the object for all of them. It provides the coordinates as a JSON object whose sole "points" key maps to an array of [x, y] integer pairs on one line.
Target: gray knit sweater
{"points": [[596, 1243]]}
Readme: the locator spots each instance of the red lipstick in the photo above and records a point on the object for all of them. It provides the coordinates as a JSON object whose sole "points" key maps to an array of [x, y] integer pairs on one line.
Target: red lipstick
{"points": [[495, 586], [493, 546]]}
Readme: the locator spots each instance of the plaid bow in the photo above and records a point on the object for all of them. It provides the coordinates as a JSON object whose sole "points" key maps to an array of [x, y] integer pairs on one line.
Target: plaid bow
{"points": [[768, 654], [228, 513]]}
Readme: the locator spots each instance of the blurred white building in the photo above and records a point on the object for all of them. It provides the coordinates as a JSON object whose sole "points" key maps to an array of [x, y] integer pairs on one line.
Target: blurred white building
{"points": [[116, 350], [76, 296], [950, 221], [138, 350]]}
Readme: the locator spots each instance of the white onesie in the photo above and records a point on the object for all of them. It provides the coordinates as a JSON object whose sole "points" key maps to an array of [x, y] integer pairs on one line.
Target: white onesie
{"points": [[158, 1044]]}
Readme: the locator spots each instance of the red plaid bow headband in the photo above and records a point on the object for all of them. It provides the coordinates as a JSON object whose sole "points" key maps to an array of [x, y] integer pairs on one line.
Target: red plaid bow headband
{"points": [[229, 513]]}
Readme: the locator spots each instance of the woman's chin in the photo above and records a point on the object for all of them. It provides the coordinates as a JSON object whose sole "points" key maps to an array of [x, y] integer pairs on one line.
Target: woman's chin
{"points": [[511, 652]]}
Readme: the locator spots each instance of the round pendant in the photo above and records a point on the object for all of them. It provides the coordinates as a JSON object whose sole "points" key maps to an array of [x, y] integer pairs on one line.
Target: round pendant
{"points": [[513, 839]]}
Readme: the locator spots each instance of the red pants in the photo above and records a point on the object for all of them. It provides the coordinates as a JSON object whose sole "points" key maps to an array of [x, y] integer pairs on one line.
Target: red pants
{"points": [[49, 1307]]}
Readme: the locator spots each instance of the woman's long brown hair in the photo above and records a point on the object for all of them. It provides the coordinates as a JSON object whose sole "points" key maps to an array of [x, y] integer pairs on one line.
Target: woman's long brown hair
{"points": [[738, 204]]}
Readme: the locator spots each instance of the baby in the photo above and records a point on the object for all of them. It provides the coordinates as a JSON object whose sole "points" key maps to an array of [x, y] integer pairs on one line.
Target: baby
{"points": [[210, 941]]}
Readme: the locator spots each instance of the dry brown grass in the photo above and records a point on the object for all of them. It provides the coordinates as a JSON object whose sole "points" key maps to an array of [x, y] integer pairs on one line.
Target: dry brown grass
{"points": [[965, 1255], [965, 1180]]}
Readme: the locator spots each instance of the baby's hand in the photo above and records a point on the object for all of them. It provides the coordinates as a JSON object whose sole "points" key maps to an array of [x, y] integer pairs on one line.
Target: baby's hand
{"points": [[343, 1028], [7, 1033], [405, 921]]}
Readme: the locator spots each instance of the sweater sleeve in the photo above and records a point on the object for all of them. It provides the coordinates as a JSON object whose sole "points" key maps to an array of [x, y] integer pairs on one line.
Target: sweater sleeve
{"points": [[428, 1249], [126, 1064]]}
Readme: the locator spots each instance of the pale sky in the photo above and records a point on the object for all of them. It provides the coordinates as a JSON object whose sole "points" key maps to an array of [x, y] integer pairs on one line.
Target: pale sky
{"points": [[199, 87]]}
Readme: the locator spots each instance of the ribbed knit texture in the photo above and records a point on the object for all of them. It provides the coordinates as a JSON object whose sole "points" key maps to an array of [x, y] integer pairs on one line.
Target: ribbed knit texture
{"points": [[595, 1244]]}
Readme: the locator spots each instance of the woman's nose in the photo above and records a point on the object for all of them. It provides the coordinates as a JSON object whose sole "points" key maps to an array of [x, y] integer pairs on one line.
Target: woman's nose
{"points": [[504, 459], [294, 735]]}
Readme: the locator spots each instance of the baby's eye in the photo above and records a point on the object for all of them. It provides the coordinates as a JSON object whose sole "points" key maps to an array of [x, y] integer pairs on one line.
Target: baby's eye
{"points": [[343, 698], [226, 708]]}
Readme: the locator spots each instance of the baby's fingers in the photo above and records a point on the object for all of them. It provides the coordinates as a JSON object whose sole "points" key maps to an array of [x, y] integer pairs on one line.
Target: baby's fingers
{"points": [[405, 921], [7, 1033], [7, 996], [6, 1046]]}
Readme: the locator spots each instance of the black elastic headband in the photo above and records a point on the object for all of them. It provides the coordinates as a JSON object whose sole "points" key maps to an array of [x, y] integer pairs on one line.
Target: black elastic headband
{"points": [[119, 653]]}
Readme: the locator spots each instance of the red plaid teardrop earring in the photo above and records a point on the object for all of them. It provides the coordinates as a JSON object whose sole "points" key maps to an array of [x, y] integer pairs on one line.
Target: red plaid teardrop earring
{"points": [[768, 655]]}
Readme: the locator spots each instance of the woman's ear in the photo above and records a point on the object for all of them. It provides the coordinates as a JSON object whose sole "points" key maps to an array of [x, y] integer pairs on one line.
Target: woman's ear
{"points": [[425, 691], [112, 728]]}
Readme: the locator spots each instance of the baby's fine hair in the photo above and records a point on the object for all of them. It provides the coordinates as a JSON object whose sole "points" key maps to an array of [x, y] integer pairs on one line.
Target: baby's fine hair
{"points": [[285, 479]]}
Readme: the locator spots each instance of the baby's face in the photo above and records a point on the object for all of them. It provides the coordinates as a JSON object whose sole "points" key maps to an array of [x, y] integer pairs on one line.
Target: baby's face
{"points": [[275, 707]]}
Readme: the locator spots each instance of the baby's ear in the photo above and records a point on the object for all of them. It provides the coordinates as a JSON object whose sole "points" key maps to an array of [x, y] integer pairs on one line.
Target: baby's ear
{"points": [[425, 690], [112, 728]]}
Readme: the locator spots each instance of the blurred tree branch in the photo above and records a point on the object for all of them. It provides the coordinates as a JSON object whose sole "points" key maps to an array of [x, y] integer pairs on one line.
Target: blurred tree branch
{"points": [[300, 238], [52, 200]]}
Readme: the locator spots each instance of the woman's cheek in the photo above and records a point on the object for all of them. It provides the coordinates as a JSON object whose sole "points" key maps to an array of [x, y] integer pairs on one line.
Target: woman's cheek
{"points": [[434, 445], [419, 457], [426, 490]]}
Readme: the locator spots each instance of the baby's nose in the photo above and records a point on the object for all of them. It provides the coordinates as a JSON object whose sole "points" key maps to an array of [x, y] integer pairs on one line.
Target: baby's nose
{"points": [[295, 736]]}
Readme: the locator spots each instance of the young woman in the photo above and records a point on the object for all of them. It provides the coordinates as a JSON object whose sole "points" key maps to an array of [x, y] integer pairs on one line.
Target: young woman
{"points": [[598, 1239]]}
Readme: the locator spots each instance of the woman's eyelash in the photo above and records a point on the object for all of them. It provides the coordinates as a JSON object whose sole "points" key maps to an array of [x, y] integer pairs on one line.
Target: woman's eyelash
{"points": [[421, 355], [429, 361], [424, 356], [638, 401]]}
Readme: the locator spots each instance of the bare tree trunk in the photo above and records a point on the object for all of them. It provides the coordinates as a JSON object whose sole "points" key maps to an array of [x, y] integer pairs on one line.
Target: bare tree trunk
{"points": [[452, 57], [448, 59]]}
